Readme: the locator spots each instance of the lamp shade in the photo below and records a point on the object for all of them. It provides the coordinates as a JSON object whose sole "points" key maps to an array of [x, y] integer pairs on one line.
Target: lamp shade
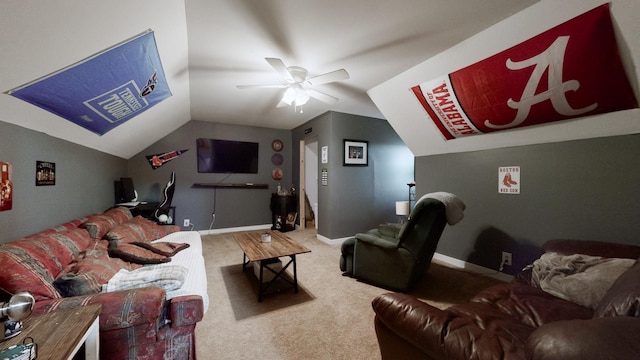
{"points": [[402, 208]]}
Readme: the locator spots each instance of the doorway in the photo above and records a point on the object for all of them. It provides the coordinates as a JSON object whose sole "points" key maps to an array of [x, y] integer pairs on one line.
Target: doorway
{"points": [[308, 183]]}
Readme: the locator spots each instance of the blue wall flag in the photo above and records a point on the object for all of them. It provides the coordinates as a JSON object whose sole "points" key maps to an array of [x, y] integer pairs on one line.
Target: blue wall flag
{"points": [[104, 90]]}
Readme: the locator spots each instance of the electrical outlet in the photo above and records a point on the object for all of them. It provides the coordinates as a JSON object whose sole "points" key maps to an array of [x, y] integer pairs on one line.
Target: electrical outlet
{"points": [[506, 258], [187, 222]]}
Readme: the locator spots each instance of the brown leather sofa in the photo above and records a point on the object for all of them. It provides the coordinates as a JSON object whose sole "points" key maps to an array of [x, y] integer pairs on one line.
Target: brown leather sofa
{"points": [[518, 320]]}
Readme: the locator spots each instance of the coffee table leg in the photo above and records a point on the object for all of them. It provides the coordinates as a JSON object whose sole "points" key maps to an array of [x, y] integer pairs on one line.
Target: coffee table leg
{"points": [[295, 274], [260, 281], [244, 261]]}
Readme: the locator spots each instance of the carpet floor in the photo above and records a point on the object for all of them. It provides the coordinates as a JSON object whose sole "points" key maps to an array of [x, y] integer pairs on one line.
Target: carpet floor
{"points": [[329, 318]]}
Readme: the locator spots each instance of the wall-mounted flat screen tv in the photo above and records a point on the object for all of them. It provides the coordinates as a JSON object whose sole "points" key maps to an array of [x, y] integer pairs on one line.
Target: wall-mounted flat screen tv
{"points": [[226, 156]]}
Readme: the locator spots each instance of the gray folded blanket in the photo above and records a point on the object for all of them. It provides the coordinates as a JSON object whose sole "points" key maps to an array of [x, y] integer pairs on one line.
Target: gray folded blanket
{"points": [[578, 278], [454, 207]]}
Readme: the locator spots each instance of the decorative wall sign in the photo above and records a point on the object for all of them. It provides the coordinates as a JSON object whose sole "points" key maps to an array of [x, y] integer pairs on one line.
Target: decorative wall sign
{"points": [[276, 174], [277, 145], [104, 90], [356, 153], [45, 173], [277, 159], [325, 154], [6, 186], [571, 70], [158, 160], [509, 180]]}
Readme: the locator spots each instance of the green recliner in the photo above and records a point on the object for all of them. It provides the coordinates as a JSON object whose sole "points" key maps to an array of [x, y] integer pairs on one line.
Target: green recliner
{"points": [[393, 256]]}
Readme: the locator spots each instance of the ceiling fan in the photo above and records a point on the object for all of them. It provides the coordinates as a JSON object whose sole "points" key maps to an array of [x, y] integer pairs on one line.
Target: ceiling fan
{"points": [[298, 86]]}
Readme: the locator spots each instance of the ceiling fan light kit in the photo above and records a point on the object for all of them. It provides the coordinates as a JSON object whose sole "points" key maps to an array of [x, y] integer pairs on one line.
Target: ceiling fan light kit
{"points": [[297, 92], [296, 95]]}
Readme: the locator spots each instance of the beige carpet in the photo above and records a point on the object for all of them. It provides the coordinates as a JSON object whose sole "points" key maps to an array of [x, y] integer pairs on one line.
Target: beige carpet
{"points": [[329, 318]]}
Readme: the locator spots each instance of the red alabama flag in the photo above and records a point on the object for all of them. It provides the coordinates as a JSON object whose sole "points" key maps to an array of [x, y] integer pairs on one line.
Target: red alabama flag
{"points": [[571, 70]]}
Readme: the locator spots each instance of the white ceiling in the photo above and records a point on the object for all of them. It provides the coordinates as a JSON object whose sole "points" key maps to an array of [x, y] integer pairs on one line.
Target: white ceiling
{"points": [[209, 46]]}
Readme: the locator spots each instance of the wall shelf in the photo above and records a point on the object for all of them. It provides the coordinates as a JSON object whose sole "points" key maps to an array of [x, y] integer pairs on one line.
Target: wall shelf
{"points": [[229, 186]]}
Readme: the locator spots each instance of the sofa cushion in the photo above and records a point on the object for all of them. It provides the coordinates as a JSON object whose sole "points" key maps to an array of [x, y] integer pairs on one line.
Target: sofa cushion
{"points": [[592, 248], [623, 297], [139, 229], [57, 249], [530, 305], [135, 254], [87, 275], [100, 224], [69, 225], [466, 331], [22, 272]]}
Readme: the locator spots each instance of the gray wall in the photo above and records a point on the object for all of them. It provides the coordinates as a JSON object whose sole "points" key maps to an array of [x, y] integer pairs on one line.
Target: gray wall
{"points": [[84, 181], [357, 198], [233, 207], [585, 189]]}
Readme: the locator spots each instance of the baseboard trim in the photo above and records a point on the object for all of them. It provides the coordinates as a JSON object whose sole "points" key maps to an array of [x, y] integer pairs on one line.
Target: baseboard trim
{"points": [[235, 229], [467, 266], [332, 241]]}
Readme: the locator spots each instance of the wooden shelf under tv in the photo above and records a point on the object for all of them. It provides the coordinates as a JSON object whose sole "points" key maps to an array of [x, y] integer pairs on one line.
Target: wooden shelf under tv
{"points": [[230, 186]]}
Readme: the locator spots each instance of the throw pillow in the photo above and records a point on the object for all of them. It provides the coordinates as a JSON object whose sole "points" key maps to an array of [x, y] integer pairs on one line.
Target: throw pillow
{"points": [[623, 298], [136, 254], [163, 248], [100, 224], [137, 229]]}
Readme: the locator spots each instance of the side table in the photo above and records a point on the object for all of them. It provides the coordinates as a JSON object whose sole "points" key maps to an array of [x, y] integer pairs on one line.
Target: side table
{"points": [[60, 334]]}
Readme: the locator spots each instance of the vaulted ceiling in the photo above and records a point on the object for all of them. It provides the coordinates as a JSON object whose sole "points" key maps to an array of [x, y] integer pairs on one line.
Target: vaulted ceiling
{"points": [[207, 47]]}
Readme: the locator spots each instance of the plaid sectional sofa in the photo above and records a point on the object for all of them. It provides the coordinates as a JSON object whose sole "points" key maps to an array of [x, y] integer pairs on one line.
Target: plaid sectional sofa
{"points": [[66, 267]]}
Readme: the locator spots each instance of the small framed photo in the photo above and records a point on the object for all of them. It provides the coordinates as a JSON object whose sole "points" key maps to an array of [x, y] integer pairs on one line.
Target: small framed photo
{"points": [[356, 153], [45, 173], [291, 218]]}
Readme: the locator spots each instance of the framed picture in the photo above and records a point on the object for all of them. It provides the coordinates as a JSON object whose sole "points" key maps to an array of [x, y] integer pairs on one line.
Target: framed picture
{"points": [[45, 173], [291, 218], [356, 153]]}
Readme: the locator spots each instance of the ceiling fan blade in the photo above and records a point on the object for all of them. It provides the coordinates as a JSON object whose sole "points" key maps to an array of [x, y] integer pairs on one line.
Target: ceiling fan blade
{"points": [[336, 75], [260, 86], [280, 67], [322, 96]]}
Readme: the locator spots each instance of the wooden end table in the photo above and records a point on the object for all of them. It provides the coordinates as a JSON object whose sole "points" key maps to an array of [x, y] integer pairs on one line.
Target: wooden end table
{"points": [[60, 334], [280, 246]]}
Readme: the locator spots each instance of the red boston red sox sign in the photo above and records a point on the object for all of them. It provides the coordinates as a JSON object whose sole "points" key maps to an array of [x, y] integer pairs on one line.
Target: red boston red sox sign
{"points": [[571, 70]]}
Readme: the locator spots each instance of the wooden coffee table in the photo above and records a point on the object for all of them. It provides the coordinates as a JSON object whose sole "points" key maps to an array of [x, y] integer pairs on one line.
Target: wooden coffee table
{"points": [[264, 252]]}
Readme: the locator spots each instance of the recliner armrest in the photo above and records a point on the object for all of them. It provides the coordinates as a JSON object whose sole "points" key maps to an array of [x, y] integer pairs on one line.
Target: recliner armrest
{"points": [[408, 317], [388, 229], [378, 240], [120, 309]]}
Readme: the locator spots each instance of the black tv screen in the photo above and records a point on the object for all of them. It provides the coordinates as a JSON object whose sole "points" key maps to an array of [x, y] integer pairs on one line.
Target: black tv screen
{"points": [[226, 156]]}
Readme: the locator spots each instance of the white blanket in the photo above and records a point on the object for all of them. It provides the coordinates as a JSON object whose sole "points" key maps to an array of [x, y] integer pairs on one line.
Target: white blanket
{"points": [[195, 279], [195, 282], [578, 278], [454, 206], [166, 277]]}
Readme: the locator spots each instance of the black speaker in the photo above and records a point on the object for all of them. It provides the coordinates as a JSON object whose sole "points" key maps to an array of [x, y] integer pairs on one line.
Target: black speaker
{"points": [[118, 192]]}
